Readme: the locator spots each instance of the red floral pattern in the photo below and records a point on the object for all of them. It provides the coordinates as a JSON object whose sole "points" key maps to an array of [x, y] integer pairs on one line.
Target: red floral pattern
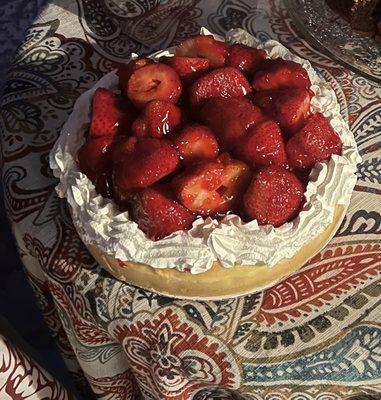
{"points": [[172, 357]]}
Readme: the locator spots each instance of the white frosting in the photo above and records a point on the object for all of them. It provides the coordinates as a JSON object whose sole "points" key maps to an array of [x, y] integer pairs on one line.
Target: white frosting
{"points": [[230, 241]]}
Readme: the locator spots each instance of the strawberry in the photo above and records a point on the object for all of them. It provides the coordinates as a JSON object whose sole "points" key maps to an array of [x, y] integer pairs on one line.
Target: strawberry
{"points": [[196, 142], [157, 214], [280, 74], [103, 184], [290, 108], [95, 157], [110, 115], [158, 118], [220, 83], [229, 119], [245, 58], [274, 196], [315, 142], [126, 70], [204, 46], [188, 68], [235, 178], [153, 82], [140, 162], [196, 188], [211, 187], [263, 145]]}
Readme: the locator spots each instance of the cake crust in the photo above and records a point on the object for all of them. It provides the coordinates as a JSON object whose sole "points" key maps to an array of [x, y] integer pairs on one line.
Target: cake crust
{"points": [[218, 282]]}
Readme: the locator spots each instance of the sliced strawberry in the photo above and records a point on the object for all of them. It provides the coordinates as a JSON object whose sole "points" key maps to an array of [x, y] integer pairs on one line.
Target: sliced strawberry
{"points": [[154, 82], [223, 82], [212, 187], [188, 68], [245, 58], [280, 74], [263, 145], [95, 157], [140, 162], [315, 142], [204, 46], [196, 188], [110, 114], [158, 118], [157, 214], [235, 179], [196, 142], [126, 70], [274, 196], [229, 119], [289, 107]]}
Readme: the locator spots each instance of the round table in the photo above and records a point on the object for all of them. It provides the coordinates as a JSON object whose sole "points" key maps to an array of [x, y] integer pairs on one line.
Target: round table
{"points": [[316, 335]]}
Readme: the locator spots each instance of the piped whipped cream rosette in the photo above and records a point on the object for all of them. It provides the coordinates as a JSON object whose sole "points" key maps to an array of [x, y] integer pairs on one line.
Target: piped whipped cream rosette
{"points": [[229, 240]]}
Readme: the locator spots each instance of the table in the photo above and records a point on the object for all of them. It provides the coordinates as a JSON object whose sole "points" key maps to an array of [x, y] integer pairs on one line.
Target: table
{"points": [[316, 335]]}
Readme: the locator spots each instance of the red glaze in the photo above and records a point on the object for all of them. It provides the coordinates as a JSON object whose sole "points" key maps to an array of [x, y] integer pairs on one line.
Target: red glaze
{"points": [[315, 142], [158, 118], [229, 119], [274, 196], [204, 46], [245, 58], [153, 82], [188, 68]]}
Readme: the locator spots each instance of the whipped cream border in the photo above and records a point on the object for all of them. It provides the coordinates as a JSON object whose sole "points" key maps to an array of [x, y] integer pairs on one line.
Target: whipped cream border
{"points": [[231, 241]]}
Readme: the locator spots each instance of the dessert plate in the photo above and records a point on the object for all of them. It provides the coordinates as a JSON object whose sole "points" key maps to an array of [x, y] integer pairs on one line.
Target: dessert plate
{"points": [[334, 36], [214, 259]]}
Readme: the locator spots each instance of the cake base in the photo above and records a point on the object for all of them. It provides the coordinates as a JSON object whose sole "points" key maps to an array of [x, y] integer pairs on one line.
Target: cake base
{"points": [[219, 282]]}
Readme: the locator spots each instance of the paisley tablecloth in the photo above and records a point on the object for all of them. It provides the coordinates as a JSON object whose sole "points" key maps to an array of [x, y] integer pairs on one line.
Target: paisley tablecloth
{"points": [[316, 335], [21, 376]]}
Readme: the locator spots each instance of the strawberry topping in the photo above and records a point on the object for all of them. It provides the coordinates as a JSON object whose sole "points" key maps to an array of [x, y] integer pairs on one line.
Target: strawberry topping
{"points": [[220, 83], [196, 142], [157, 214], [274, 196], [110, 115], [153, 82], [280, 74], [158, 118], [204, 46], [315, 142]]}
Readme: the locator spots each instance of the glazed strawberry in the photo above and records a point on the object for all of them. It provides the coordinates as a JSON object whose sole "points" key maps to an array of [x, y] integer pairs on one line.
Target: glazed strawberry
{"points": [[229, 119], [196, 142], [263, 145], [316, 141], [188, 68], [289, 107], [223, 82], [153, 82], [110, 115], [196, 188], [204, 46], [245, 58], [235, 179], [94, 157], [280, 74], [158, 118], [274, 196], [103, 184], [126, 70], [157, 214], [212, 187], [140, 162]]}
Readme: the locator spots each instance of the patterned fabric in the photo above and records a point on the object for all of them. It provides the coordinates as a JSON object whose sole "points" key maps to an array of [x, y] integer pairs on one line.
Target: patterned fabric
{"points": [[22, 378], [316, 335]]}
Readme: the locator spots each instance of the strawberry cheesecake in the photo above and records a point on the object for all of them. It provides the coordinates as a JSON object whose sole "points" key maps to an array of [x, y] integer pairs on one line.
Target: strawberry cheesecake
{"points": [[208, 170]]}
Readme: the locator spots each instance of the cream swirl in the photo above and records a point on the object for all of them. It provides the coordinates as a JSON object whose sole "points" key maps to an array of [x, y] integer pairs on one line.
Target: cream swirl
{"points": [[231, 241]]}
